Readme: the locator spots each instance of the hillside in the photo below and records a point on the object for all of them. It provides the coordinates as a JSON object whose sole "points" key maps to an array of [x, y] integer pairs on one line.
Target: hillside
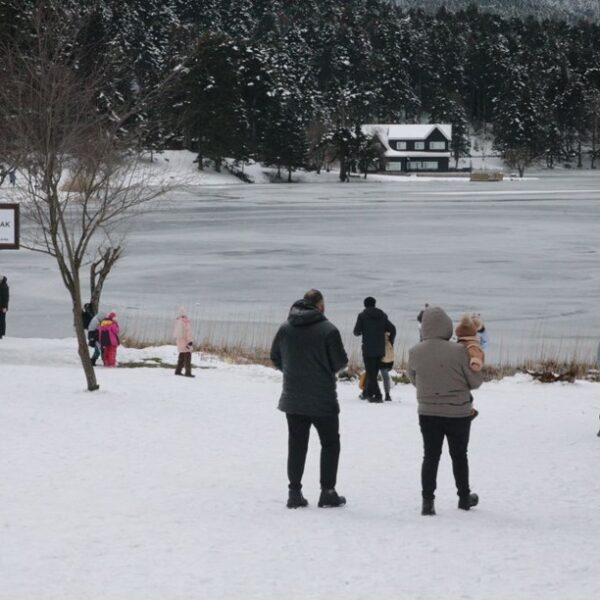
{"points": [[566, 9]]}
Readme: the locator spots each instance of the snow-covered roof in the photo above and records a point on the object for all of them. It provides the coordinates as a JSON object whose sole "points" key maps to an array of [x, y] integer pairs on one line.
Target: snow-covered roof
{"points": [[415, 154], [407, 132]]}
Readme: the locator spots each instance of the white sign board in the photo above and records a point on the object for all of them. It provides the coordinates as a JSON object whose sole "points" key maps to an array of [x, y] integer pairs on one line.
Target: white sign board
{"points": [[9, 226]]}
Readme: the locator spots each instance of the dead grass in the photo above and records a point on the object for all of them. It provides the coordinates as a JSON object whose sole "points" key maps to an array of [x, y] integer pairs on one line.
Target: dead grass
{"points": [[543, 370]]}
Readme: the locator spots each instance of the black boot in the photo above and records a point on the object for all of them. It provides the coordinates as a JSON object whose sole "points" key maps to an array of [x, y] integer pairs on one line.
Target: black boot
{"points": [[428, 507], [388, 398], [296, 499], [330, 498], [468, 502]]}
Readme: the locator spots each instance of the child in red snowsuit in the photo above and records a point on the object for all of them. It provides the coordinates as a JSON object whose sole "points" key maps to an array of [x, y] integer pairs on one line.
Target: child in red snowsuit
{"points": [[108, 334]]}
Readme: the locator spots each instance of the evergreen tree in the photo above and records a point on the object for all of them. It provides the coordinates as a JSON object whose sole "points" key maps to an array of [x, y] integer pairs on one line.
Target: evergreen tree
{"points": [[284, 143], [519, 123], [451, 110]]}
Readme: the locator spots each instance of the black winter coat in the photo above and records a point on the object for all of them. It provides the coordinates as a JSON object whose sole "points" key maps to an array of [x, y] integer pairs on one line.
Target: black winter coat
{"points": [[372, 324], [308, 349], [4, 294]]}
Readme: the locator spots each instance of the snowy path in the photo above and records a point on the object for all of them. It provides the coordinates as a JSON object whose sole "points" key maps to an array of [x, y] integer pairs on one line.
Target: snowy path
{"points": [[167, 488]]}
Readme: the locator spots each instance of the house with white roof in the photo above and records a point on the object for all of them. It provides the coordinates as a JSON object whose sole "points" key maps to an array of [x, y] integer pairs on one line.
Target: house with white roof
{"points": [[412, 148]]}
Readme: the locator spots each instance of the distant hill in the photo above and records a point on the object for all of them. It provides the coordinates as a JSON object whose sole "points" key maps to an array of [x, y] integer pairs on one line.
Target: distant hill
{"points": [[565, 9]]}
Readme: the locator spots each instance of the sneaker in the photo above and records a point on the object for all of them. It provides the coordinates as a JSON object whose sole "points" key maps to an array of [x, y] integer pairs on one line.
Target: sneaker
{"points": [[362, 396], [330, 498], [428, 507], [296, 499], [388, 398], [468, 502]]}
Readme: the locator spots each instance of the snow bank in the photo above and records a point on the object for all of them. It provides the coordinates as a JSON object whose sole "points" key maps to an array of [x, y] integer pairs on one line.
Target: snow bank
{"points": [[162, 487]]}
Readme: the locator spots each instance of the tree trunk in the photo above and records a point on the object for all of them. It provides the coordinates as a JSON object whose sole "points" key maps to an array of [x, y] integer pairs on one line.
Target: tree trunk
{"points": [[289, 175], [106, 262], [82, 343], [579, 156], [521, 170], [343, 169]]}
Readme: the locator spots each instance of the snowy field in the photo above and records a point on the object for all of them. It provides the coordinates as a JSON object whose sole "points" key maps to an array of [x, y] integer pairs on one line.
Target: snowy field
{"points": [[164, 488], [522, 253]]}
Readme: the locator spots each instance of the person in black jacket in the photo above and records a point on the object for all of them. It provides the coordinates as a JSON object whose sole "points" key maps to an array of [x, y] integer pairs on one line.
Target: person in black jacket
{"points": [[308, 349], [87, 314], [4, 296], [372, 323]]}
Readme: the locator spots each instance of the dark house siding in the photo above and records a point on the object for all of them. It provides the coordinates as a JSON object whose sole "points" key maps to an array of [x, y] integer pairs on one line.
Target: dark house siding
{"points": [[415, 164], [435, 136]]}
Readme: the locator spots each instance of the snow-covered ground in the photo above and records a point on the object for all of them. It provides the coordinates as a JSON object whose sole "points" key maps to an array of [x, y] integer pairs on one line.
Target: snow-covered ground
{"points": [[160, 487]]}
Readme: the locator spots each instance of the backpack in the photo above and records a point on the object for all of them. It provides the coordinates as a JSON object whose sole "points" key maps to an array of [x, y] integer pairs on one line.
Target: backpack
{"points": [[105, 338], [104, 333]]}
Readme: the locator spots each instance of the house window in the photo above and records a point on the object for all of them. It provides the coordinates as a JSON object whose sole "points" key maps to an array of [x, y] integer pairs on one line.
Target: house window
{"points": [[393, 165], [400, 145], [437, 145], [424, 165], [419, 145]]}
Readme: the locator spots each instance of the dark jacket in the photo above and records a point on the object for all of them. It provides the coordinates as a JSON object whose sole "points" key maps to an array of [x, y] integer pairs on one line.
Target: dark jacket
{"points": [[372, 324], [440, 371], [309, 351], [86, 316], [4, 294]]}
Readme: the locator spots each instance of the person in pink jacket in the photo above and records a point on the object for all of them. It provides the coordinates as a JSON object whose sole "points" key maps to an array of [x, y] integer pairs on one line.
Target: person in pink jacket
{"points": [[108, 334], [183, 337]]}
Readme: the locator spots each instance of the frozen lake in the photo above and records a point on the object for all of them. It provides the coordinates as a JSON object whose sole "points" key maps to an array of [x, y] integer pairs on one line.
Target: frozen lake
{"points": [[522, 253]]}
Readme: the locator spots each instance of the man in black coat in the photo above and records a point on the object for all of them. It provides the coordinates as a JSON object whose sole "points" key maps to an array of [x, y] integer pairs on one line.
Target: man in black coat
{"points": [[4, 295], [308, 349], [372, 323]]}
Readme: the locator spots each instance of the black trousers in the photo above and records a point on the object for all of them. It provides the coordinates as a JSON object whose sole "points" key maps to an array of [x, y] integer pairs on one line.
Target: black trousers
{"points": [[184, 360], [372, 369], [298, 433], [2, 323], [456, 431]]}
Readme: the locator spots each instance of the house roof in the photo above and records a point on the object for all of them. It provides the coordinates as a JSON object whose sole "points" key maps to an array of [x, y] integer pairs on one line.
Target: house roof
{"points": [[419, 154], [387, 132]]}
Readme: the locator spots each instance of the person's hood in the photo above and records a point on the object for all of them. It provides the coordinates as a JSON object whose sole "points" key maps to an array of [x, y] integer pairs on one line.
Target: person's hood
{"points": [[372, 312], [3, 279], [304, 313], [436, 324], [182, 313]]}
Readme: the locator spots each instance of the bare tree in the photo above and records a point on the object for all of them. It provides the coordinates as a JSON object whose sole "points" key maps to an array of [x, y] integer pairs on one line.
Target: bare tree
{"points": [[100, 270], [83, 181], [520, 158]]}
